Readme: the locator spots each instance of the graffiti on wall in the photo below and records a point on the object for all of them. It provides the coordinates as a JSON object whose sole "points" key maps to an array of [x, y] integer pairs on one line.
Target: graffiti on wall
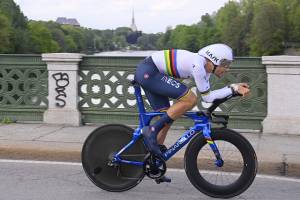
{"points": [[62, 81]]}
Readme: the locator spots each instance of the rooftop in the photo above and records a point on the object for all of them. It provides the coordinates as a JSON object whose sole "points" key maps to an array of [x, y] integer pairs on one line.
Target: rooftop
{"points": [[67, 21]]}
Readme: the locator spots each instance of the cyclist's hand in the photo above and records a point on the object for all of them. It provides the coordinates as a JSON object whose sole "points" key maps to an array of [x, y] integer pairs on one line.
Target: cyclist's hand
{"points": [[244, 85], [241, 88]]}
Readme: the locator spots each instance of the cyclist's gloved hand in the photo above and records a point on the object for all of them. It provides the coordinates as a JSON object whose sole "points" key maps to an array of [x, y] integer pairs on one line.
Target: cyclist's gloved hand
{"points": [[240, 88]]}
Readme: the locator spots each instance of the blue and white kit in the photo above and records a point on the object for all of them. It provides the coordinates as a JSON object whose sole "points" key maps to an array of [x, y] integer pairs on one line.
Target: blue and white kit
{"points": [[158, 75]]}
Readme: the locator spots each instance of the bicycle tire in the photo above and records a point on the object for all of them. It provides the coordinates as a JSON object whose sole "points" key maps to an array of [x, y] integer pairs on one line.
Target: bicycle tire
{"points": [[100, 146], [248, 172]]}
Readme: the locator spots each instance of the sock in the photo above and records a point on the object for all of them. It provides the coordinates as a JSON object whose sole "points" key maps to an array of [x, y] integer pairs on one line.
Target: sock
{"points": [[159, 124]]}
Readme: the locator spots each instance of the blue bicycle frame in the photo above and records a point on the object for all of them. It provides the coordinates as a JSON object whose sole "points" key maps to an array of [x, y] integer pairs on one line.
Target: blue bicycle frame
{"points": [[202, 124]]}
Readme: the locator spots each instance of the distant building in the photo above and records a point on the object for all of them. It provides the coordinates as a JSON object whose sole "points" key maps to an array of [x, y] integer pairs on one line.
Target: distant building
{"points": [[67, 21], [135, 34], [133, 26]]}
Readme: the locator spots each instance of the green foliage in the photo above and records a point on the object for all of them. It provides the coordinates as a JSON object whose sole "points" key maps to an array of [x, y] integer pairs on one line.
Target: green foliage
{"points": [[148, 41], [267, 32], [5, 31], [229, 23], [207, 31], [250, 27], [6, 120], [41, 38], [14, 28], [185, 37], [164, 41]]}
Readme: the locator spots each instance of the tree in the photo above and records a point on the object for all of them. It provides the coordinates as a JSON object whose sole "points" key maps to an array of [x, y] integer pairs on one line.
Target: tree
{"points": [[295, 24], [122, 31], [207, 31], [148, 41], [290, 10], [229, 25], [164, 41], [4, 34], [185, 37], [267, 32], [41, 37], [77, 35], [19, 35], [247, 11]]}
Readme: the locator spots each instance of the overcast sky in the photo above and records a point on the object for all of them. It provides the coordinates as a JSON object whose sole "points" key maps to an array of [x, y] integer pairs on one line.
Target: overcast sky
{"points": [[151, 16]]}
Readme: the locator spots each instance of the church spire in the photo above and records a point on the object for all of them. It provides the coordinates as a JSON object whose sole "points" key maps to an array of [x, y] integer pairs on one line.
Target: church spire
{"points": [[133, 26]]}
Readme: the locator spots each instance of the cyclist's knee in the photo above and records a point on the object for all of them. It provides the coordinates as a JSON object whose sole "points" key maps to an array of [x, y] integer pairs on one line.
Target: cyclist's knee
{"points": [[190, 99], [193, 100]]}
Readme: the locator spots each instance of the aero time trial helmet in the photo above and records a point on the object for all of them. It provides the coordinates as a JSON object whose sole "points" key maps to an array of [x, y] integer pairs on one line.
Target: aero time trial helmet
{"points": [[217, 53]]}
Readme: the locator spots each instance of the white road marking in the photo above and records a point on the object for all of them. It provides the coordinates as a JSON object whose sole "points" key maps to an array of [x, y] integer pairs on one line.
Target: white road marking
{"points": [[170, 170], [39, 162], [257, 176]]}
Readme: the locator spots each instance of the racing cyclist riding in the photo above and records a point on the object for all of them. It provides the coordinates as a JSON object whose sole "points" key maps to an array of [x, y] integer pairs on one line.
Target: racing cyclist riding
{"points": [[158, 74]]}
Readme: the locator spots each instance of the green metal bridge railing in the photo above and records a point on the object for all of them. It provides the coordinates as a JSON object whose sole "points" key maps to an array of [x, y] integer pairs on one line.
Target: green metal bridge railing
{"points": [[105, 93], [23, 87], [107, 96]]}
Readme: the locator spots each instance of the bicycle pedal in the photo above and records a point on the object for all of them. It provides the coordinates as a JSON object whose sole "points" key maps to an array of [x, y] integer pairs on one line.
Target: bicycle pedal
{"points": [[163, 179]]}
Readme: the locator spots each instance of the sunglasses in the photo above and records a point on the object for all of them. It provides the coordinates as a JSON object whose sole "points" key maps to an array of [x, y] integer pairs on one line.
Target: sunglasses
{"points": [[225, 64]]}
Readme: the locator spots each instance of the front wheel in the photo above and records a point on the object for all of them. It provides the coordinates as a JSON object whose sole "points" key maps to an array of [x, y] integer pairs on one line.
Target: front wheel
{"points": [[237, 173]]}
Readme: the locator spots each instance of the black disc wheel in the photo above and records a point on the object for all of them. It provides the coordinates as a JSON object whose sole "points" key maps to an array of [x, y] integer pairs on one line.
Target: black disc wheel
{"points": [[99, 149], [224, 181]]}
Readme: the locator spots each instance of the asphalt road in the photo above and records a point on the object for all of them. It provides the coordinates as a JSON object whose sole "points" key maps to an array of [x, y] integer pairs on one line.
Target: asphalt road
{"points": [[26, 180]]}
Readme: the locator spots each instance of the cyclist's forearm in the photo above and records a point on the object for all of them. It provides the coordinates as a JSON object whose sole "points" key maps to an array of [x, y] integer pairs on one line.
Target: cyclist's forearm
{"points": [[216, 94]]}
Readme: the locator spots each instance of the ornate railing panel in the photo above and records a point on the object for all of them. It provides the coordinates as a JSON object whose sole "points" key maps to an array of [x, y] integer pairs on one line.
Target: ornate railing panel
{"points": [[23, 87], [106, 94]]}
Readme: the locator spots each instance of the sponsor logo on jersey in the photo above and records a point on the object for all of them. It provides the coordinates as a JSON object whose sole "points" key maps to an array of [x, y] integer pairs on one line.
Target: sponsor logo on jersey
{"points": [[212, 56], [171, 81]]}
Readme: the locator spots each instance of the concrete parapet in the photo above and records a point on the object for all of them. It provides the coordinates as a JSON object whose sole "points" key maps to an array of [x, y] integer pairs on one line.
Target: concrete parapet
{"points": [[63, 88], [283, 113]]}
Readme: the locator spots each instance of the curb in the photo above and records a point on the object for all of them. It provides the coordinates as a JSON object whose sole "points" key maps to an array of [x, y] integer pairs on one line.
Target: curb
{"points": [[270, 168]]}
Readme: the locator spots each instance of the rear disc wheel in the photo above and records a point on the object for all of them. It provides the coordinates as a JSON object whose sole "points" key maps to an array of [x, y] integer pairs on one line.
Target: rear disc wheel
{"points": [[99, 149]]}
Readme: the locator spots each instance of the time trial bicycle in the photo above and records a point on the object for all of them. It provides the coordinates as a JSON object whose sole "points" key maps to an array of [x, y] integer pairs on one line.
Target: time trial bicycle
{"points": [[219, 162]]}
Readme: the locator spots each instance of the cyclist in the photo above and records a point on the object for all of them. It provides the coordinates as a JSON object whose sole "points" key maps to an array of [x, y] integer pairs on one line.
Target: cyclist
{"points": [[158, 74]]}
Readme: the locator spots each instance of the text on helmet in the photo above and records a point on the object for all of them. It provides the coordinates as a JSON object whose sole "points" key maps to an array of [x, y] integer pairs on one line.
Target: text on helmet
{"points": [[214, 58]]}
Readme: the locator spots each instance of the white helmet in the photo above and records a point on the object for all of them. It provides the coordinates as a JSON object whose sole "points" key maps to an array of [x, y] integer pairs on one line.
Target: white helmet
{"points": [[217, 53]]}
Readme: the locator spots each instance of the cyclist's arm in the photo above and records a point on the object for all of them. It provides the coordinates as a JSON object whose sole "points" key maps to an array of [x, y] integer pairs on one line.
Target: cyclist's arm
{"points": [[202, 83], [210, 96]]}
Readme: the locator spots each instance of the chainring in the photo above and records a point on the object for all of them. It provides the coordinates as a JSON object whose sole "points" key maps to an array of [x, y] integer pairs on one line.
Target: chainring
{"points": [[154, 166]]}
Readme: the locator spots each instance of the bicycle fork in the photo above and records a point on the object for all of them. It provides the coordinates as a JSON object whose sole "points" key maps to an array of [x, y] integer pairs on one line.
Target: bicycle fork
{"points": [[206, 132]]}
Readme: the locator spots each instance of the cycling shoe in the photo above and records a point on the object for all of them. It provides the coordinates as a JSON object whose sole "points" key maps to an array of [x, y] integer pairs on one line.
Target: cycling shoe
{"points": [[151, 141], [162, 148]]}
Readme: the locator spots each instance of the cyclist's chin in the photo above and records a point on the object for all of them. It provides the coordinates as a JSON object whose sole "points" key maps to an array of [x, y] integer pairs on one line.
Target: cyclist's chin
{"points": [[219, 75]]}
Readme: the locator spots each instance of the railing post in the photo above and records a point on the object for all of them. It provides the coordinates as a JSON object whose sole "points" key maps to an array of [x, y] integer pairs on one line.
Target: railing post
{"points": [[283, 95], [62, 88]]}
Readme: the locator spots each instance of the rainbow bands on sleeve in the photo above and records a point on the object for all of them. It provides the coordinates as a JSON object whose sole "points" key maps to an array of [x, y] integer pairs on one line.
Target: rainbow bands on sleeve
{"points": [[171, 64]]}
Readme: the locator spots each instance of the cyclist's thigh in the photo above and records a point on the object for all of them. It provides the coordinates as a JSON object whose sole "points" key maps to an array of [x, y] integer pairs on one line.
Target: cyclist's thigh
{"points": [[157, 102], [158, 87]]}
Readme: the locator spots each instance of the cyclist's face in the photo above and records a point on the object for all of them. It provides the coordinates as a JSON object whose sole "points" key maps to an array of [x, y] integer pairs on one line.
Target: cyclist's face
{"points": [[221, 70]]}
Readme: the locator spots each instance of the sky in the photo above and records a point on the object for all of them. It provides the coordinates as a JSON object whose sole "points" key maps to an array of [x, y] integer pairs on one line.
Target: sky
{"points": [[151, 16]]}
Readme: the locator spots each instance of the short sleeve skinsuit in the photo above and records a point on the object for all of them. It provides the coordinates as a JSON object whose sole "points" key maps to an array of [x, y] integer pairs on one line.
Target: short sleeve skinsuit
{"points": [[158, 74]]}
